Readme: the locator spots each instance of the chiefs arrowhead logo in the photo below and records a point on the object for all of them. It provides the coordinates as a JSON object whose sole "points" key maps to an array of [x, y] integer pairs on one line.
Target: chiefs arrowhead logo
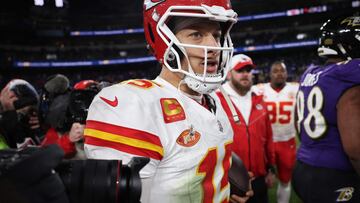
{"points": [[112, 103], [188, 138]]}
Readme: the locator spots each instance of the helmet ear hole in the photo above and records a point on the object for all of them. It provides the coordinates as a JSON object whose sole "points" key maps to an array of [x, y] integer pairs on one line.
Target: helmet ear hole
{"points": [[171, 56], [171, 60]]}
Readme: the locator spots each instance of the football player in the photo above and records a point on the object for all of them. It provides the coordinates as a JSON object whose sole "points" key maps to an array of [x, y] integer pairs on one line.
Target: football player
{"points": [[328, 117], [280, 98], [253, 139], [175, 120]]}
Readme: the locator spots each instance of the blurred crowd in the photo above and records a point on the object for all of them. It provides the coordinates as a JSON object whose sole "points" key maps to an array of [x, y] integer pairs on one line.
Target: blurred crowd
{"points": [[53, 114]]}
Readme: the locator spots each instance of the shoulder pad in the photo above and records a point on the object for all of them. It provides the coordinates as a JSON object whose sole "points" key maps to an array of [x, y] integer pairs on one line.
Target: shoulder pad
{"points": [[141, 83]]}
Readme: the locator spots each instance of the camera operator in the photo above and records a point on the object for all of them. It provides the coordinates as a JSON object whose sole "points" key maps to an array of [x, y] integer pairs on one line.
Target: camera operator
{"points": [[66, 114], [39, 174], [80, 99], [19, 123], [54, 101]]}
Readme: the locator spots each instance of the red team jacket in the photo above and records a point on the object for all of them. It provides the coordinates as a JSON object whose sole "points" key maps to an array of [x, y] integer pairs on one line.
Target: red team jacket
{"points": [[253, 143], [52, 137]]}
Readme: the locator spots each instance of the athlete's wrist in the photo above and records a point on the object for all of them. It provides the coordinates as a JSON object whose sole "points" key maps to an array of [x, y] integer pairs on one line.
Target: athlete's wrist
{"points": [[271, 169]]}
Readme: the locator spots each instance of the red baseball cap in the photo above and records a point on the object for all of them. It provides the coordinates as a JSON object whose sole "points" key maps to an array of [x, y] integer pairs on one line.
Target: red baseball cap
{"points": [[241, 61]]}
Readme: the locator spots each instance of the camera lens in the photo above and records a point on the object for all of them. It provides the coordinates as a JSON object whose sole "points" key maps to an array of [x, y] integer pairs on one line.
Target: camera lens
{"points": [[85, 181], [91, 180]]}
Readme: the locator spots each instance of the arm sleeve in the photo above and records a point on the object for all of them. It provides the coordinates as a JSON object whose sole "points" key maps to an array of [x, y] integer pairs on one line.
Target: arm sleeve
{"points": [[68, 146], [63, 141], [350, 72], [120, 126]]}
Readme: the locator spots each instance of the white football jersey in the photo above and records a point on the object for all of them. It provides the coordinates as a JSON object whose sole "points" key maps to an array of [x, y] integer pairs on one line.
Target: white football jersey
{"points": [[189, 146], [281, 106]]}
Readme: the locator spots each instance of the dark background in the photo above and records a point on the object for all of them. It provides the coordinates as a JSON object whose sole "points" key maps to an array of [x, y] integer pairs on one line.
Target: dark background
{"points": [[32, 33]]}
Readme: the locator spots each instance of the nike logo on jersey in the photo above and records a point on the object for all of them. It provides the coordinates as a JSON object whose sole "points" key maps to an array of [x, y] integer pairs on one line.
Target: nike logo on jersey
{"points": [[112, 103], [150, 3]]}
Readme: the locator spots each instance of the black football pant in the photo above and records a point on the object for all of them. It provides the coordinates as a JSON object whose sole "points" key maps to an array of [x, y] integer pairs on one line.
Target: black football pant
{"points": [[323, 185]]}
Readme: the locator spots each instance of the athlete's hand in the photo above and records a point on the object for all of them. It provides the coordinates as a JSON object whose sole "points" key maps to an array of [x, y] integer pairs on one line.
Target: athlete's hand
{"points": [[76, 132], [7, 98], [248, 194], [34, 122], [237, 199], [270, 179]]}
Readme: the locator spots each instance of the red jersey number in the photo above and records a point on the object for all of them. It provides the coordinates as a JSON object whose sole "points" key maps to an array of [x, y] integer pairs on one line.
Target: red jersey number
{"points": [[207, 169], [280, 112]]}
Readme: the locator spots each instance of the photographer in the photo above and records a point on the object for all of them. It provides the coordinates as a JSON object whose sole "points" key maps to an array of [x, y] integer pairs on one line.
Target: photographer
{"points": [[66, 113], [40, 175], [80, 99], [19, 123], [54, 102]]}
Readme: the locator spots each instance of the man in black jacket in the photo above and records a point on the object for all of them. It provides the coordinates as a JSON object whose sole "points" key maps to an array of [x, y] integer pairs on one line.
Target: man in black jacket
{"points": [[18, 114]]}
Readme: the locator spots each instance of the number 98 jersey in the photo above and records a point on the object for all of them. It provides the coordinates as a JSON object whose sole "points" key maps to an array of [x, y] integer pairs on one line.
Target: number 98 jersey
{"points": [[319, 92]]}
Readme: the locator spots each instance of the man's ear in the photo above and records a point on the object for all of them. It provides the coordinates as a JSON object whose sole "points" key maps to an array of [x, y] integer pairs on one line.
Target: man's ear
{"points": [[228, 76]]}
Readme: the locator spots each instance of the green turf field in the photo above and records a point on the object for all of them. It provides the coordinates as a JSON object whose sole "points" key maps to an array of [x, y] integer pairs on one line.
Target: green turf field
{"points": [[272, 196]]}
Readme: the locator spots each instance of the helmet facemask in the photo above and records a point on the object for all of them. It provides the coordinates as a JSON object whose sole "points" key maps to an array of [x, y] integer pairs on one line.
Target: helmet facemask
{"points": [[176, 51]]}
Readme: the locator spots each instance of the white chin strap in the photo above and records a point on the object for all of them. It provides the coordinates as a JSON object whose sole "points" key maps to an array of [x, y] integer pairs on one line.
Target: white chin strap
{"points": [[200, 86]]}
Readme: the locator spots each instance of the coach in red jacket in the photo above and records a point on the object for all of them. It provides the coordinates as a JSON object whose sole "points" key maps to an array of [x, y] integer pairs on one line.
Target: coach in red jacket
{"points": [[253, 135]]}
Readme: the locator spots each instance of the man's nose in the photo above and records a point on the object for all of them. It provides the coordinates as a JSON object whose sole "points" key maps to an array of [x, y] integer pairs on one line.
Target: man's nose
{"points": [[211, 41]]}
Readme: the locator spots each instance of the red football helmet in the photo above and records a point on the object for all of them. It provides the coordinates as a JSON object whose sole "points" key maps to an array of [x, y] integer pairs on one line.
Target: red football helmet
{"points": [[168, 49], [86, 85], [80, 99]]}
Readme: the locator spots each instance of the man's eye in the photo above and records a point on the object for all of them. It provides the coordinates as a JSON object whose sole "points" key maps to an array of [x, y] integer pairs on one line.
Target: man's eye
{"points": [[196, 35]]}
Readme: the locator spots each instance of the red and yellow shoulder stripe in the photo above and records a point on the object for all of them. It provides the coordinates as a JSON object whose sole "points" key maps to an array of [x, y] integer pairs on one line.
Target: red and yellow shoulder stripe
{"points": [[124, 139]]}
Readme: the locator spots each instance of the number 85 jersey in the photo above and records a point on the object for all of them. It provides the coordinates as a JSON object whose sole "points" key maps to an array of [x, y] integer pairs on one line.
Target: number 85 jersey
{"points": [[319, 93], [280, 106]]}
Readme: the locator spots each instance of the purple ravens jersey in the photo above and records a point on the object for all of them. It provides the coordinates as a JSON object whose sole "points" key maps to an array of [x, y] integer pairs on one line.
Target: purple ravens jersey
{"points": [[319, 93]]}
